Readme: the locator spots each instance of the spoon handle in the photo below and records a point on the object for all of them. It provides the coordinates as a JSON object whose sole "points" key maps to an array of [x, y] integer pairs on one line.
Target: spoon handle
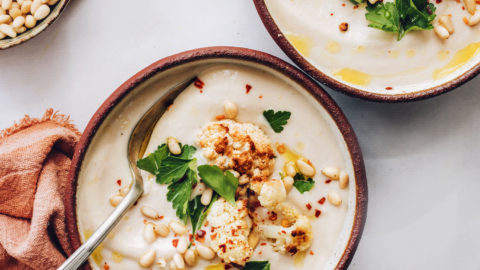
{"points": [[83, 252]]}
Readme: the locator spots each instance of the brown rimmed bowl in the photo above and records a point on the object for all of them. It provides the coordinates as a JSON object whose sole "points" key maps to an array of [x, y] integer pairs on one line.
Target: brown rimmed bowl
{"points": [[55, 11], [418, 91], [161, 73]]}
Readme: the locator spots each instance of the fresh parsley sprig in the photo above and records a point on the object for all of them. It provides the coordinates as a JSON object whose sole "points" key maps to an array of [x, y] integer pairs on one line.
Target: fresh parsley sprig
{"points": [[277, 119], [401, 16], [225, 184], [257, 265], [302, 183]]}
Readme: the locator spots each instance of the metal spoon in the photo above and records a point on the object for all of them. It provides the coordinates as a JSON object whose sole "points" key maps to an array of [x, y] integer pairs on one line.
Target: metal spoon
{"points": [[137, 144]]}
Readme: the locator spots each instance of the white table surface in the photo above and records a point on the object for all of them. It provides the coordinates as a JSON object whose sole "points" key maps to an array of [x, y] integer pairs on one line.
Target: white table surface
{"points": [[422, 158]]}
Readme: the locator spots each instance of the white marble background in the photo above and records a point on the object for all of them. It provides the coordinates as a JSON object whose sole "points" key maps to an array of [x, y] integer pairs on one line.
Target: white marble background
{"points": [[422, 158]]}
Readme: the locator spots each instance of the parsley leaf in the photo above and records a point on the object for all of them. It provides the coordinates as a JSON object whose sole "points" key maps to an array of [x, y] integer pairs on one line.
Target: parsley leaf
{"points": [[401, 16], [302, 184], [257, 265], [198, 212], [187, 151], [225, 184], [277, 119], [152, 162], [357, 1], [179, 194], [172, 169]]}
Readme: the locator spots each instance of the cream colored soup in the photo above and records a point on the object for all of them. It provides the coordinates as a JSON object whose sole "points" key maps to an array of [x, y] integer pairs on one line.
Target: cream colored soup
{"points": [[310, 132], [370, 59]]}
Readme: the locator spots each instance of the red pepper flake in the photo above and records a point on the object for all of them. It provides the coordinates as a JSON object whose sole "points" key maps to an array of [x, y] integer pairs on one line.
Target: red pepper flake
{"points": [[160, 217], [248, 87], [260, 252], [260, 96], [106, 266], [343, 5], [388, 88], [263, 244], [311, 252], [309, 206], [322, 200], [190, 237], [220, 117], [119, 182], [328, 181], [200, 236], [213, 236], [317, 213], [144, 221], [272, 216], [198, 83], [223, 247], [175, 242]]}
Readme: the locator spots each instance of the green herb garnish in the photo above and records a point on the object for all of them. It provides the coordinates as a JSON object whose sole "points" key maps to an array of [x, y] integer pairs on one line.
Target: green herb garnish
{"points": [[302, 183], [257, 265], [225, 184], [401, 16], [198, 212], [277, 119]]}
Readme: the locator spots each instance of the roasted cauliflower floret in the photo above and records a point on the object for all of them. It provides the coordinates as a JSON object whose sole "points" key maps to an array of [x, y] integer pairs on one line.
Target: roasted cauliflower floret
{"points": [[230, 229], [297, 237], [296, 233], [241, 147]]}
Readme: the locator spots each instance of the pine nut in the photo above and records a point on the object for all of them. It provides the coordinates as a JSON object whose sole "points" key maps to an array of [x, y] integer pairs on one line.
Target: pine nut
{"points": [[30, 21], [8, 30], [174, 146], [190, 257], [15, 5], [5, 19], [172, 265], [182, 245], [199, 188], [20, 29], [25, 8], [178, 227], [230, 109], [343, 181], [243, 179], [470, 5], [147, 258], [19, 21], [149, 212], [305, 168], [161, 230], [235, 173], [446, 21], [441, 31], [206, 196], [178, 260], [253, 240], [6, 4], [14, 12], [149, 233], [41, 12], [288, 182], [331, 172], [474, 19], [205, 252], [2, 11], [290, 169], [115, 200], [162, 263], [334, 198], [35, 5]]}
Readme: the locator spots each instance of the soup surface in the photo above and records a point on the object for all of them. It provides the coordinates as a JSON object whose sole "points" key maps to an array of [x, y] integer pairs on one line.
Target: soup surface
{"points": [[310, 133], [370, 59]]}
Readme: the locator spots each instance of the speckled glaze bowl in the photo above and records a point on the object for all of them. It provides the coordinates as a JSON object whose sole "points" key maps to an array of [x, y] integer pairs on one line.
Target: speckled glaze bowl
{"points": [[419, 66], [55, 11], [144, 85]]}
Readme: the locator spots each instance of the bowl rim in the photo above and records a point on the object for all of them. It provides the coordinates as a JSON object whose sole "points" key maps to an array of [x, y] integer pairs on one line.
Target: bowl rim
{"points": [[234, 53], [337, 85], [37, 29]]}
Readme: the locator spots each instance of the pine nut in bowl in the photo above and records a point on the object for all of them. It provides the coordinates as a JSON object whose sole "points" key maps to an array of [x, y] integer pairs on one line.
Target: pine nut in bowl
{"points": [[233, 174], [356, 47], [21, 20]]}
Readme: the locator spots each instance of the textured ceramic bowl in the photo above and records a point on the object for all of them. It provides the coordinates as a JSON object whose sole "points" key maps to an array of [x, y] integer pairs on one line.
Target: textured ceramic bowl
{"points": [[148, 80], [287, 23], [8, 42]]}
